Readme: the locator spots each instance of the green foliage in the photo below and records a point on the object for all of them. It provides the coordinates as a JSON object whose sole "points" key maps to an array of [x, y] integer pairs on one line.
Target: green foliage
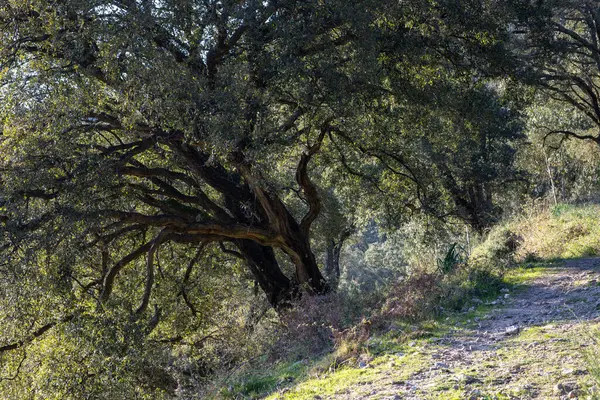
{"points": [[452, 260], [552, 32], [562, 231], [469, 285], [268, 380], [498, 249], [172, 171], [559, 167]]}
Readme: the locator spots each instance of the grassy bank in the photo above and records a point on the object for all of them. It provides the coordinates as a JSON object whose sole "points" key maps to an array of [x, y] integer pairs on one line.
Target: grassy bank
{"points": [[561, 232], [386, 346]]}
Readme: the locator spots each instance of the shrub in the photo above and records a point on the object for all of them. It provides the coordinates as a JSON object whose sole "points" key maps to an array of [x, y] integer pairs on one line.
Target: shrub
{"points": [[414, 298], [498, 249], [563, 231], [424, 295]]}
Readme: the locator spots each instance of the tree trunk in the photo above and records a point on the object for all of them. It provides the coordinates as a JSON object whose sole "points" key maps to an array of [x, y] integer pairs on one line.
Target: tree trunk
{"points": [[308, 275], [329, 263], [332, 260], [332, 263], [264, 267], [337, 251]]}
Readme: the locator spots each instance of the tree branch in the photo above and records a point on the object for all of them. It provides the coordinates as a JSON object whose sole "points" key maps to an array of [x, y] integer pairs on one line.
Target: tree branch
{"points": [[160, 239], [109, 279], [36, 334], [308, 187]]}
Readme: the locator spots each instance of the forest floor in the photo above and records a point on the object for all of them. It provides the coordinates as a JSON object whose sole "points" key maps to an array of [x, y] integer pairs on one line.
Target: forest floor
{"points": [[530, 343]]}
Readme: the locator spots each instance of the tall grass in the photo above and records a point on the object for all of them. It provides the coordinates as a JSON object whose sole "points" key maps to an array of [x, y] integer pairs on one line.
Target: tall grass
{"points": [[559, 232]]}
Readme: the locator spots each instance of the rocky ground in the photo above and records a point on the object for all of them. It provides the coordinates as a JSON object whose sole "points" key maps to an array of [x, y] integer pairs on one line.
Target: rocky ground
{"points": [[532, 347], [531, 343]]}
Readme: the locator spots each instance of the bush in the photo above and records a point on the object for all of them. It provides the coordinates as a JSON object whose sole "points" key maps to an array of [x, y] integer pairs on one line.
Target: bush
{"points": [[563, 231], [424, 295], [498, 250], [414, 298], [308, 328]]}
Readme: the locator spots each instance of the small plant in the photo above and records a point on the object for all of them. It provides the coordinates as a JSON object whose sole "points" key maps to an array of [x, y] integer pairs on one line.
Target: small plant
{"points": [[498, 249], [592, 355], [452, 259], [561, 209]]}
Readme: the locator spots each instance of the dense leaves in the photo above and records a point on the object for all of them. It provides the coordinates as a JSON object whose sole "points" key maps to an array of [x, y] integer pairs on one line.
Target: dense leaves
{"points": [[175, 173]]}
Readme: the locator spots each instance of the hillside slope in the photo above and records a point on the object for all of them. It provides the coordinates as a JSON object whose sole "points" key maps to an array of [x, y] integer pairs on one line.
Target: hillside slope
{"points": [[528, 344]]}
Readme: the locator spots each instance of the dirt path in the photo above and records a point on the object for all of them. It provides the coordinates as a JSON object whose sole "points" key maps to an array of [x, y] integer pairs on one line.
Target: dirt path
{"points": [[529, 347]]}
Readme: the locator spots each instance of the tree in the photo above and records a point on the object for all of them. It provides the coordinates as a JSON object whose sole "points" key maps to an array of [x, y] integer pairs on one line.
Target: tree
{"points": [[442, 137], [447, 159], [474, 154], [561, 167], [556, 45], [166, 119], [141, 139]]}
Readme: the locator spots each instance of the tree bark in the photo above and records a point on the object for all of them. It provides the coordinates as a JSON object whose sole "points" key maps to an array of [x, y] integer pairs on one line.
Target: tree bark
{"points": [[264, 267], [308, 275], [332, 260]]}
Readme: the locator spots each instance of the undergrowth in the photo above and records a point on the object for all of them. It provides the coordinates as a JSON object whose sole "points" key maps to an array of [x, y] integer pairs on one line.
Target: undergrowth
{"points": [[560, 232], [318, 338], [337, 335]]}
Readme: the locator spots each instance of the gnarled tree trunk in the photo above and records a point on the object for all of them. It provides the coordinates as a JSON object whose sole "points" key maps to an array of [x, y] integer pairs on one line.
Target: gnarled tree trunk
{"points": [[263, 265]]}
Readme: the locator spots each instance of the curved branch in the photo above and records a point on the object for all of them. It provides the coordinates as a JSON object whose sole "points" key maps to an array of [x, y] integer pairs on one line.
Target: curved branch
{"points": [[109, 279], [230, 252], [109, 237], [261, 236], [36, 334], [17, 371], [573, 134], [308, 187], [160, 220], [142, 171], [575, 36], [158, 240], [213, 174], [153, 175], [186, 278]]}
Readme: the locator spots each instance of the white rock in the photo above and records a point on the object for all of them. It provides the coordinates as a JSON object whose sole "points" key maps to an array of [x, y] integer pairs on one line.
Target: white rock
{"points": [[512, 330]]}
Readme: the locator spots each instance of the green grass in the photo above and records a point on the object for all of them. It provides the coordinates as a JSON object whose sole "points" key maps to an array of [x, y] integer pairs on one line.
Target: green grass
{"points": [[522, 274], [592, 358], [389, 367], [259, 383], [564, 231], [535, 333]]}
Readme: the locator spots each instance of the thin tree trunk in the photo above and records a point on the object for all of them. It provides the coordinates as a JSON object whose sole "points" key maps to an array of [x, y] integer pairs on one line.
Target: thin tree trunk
{"points": [[332, 261], [329, 268], [551, 178]]}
